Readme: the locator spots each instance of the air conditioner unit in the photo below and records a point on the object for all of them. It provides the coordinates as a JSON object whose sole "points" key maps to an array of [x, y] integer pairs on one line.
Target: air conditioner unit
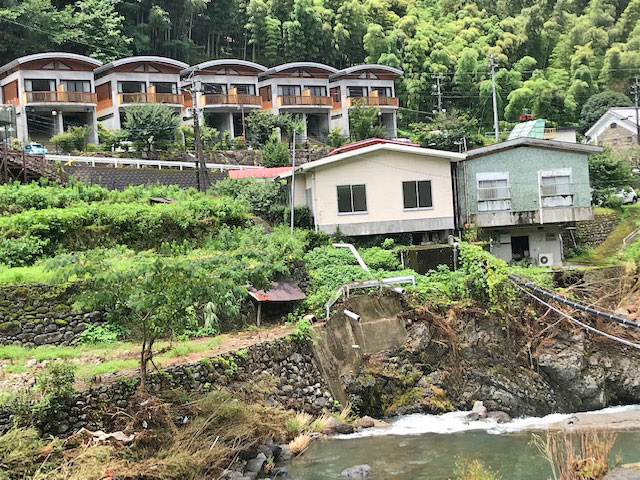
{"points": [[545, 259]]}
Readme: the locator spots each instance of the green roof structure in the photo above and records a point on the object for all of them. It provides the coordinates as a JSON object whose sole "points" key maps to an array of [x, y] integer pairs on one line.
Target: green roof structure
{"points": [[531, 129]]}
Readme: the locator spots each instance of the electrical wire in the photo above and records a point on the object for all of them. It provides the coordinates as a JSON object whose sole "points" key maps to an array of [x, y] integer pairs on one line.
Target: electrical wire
{"points": [[578, 322]]}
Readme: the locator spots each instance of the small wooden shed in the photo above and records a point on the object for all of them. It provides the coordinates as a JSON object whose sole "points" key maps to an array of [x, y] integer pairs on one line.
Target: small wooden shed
{"points": [[284, 290]]}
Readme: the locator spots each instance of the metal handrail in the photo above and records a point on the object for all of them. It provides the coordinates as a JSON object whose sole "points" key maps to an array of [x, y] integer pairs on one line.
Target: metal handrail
{"points": [[630, 237], [139, 163], [345, 290]]}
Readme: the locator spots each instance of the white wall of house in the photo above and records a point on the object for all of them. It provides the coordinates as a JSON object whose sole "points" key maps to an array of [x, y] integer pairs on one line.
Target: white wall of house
{"points": [[383, 173], [113, 112], [47, 108], [542, 240]]}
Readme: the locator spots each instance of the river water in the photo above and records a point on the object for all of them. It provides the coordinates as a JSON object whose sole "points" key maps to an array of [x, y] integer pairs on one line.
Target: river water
{"points": [[428, 447]]}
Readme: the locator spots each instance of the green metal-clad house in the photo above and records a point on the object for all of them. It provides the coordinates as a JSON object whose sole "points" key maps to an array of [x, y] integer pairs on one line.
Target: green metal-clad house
{"points": [[523, 193]]}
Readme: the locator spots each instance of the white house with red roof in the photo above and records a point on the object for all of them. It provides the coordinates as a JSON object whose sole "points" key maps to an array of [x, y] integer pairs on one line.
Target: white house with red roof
{"points": [[379, 187]]}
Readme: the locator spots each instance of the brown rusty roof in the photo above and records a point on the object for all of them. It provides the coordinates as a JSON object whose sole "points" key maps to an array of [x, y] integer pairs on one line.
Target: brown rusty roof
{"points": [[283, 290]]}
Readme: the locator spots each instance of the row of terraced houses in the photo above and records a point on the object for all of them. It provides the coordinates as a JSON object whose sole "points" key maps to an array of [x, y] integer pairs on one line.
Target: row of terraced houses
{"points": [[53, 91]]}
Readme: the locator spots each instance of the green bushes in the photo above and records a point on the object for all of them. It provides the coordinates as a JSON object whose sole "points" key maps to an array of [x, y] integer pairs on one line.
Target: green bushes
{"points": [[44, 232], [275, 153], [267, 199], [16, 197], [74, 139]]}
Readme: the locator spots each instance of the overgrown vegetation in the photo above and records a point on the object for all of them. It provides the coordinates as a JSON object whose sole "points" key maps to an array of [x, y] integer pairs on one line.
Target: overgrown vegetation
{"points": [[219, 427], [580, 456]]}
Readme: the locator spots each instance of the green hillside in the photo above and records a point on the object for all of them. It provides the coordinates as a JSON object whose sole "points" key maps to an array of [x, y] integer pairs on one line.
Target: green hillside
{"points": [[553, 54]]}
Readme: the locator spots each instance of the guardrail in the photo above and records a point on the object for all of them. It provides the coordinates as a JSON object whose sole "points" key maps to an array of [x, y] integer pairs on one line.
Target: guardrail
{"points": [[345, 290], [630, 237], [68, 160]]}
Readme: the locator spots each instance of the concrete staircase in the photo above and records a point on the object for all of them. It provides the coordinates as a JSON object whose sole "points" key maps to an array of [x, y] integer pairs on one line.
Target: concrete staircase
{"points": [[23, 167]]}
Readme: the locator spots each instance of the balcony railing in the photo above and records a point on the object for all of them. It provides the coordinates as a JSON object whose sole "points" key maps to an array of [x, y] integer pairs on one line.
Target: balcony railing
{"points": [[148, 97], [373, 101], [228, 99], [60, 97], [305, 100]]}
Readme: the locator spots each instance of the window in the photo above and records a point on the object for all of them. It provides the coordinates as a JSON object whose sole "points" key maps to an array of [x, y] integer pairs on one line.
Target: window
{"points": [[316, 91], [352, 199], [417, 194], [38, 85], [357, 91], [555, 188], [550, 237], [132, 87], [629, 139], [335, 94], [76, 85], [289, 90], [214, 88], [493, 191], [382, 91], [245, 88], [613, 125], [165, 87]]}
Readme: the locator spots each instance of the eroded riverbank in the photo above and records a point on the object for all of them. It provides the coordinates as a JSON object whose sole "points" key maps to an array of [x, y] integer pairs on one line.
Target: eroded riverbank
{"points": [[429, 446]]}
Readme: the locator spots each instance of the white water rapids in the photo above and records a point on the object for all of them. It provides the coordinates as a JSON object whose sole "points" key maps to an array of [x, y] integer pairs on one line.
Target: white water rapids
{"points": [[455, 422]]}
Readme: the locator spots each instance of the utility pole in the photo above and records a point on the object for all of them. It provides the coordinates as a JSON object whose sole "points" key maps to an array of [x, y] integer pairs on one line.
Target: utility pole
{"points": [[493, 63], [636, 94], [438, 88], [293, 180], [202, 175]]}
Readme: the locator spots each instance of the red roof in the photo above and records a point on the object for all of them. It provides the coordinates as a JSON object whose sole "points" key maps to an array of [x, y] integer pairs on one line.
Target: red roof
{"points": [[367, 143], [284, 290], [259, 172]]}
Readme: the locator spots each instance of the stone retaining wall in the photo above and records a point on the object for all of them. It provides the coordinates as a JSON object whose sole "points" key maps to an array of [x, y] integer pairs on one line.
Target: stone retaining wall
{"points": [[33, 315], [591, 233], [281, 372]]}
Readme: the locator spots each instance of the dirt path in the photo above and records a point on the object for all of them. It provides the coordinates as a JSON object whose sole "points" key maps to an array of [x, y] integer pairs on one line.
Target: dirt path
{"points": [[226, 343]]}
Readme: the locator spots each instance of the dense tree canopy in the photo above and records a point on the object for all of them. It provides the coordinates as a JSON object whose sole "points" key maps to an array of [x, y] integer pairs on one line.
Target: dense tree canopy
{"points": [[552, 54]]}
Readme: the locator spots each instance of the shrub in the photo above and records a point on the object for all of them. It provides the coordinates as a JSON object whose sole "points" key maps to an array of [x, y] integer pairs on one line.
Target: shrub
{"points": [[474, 470], [302, 217], [149, 123], [266, 199], [261, 124], [74, 139], [336, 138], [136, 225], [21, 251], [380, 259], [275, 153], [614, 202], [111, 139], [101, 333]]}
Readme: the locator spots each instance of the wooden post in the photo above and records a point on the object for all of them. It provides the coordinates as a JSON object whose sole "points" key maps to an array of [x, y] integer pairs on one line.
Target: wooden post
{"points": [[259, 314]]}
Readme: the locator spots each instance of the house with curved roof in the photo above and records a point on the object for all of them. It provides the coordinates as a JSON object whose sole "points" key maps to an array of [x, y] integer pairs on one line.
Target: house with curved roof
{"points": [[50, 92], [135, 80], [225, 92], [367, 85], [301, 89]]}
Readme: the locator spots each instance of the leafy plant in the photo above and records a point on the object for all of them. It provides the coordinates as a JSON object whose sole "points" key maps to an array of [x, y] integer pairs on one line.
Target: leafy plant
{"points": [[275, 153], [303, 331], [101, 333], [336, 138], [74, 139], [364, 122], [150, 122]]}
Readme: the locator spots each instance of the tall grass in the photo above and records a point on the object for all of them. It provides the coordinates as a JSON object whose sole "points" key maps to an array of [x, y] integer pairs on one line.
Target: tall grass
{"points": [[474, 470], [580, 456]]}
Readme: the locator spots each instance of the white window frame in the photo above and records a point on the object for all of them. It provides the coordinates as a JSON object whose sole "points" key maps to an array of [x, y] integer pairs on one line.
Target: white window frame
{"points": [[496, 204], [556, 172], [409, 209], [366, 200]]}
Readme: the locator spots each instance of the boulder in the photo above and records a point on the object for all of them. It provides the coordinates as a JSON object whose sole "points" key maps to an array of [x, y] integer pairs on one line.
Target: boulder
{"points": [[364, 422], [499, 417], [479, 409], [334, 426], [255, 465], [358, 471]]}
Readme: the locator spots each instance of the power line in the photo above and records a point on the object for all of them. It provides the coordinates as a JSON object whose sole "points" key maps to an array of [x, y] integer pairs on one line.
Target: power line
{"points": [[578, 322]]}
